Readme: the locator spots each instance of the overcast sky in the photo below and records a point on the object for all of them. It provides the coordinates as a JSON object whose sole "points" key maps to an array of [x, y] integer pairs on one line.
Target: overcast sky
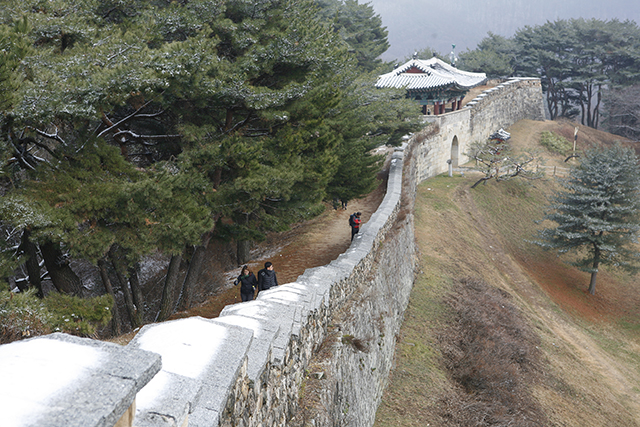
{"points": [[416, 24]]}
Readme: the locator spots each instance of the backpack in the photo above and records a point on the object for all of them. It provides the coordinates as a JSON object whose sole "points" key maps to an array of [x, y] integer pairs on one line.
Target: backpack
{"points": [[352, 219], [356, 223]]}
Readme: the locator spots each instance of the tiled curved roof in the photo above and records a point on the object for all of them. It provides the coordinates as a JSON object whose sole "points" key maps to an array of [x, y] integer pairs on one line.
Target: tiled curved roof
{"points": [[435, 74]]}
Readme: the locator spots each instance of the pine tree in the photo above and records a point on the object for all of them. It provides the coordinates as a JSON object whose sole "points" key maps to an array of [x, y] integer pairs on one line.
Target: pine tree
{"points": [[359, 26], [493, 56], [577, 60], [368, 119], [597, 213]]}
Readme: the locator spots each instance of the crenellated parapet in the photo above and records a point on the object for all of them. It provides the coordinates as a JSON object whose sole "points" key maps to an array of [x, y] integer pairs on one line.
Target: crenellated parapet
{"points": [[503, 105]]}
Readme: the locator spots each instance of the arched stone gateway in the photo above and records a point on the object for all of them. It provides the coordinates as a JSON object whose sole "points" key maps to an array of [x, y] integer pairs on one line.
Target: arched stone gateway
{"points": [[455, 152]]}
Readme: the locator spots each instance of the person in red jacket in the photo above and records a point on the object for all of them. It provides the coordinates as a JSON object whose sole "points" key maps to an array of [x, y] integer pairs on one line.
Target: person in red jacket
{"points": [[355, 222]]}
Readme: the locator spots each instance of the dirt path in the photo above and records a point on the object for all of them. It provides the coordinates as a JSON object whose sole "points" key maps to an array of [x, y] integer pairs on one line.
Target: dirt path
{"points": [[309, 244]]}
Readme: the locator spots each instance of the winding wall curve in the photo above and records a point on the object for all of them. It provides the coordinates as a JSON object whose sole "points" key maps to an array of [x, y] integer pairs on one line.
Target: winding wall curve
{"points": [[314, 352]]}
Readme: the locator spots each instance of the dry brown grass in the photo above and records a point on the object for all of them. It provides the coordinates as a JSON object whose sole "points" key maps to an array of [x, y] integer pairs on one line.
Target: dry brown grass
{"points": [[492, 355]]}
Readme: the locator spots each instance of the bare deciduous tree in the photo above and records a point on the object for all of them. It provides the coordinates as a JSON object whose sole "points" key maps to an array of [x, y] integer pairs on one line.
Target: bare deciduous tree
{"points": [[623, 111], [495, 158]]}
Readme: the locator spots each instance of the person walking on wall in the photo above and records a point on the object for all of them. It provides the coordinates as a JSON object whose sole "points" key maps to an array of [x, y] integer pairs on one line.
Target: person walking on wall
{"points": [[267, 277], [248, 283], [355, 222]]}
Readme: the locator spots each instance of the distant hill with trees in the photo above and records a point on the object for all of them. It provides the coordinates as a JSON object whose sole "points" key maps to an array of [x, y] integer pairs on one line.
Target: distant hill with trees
{"points": [[588, 68]]}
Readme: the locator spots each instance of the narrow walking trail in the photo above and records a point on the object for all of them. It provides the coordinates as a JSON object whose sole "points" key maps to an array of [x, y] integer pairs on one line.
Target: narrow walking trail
{"points": [[308, 244]]}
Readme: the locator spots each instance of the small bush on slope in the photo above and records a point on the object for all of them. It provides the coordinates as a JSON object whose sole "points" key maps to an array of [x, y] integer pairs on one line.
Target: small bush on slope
{"points": [[492, 355]]}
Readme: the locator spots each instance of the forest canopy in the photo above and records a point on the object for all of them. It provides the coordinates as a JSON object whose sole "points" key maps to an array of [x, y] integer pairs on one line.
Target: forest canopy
{"points": [[129, 127]]}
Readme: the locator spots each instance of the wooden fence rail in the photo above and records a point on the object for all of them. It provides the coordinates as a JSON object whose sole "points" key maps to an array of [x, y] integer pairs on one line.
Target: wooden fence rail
{"points": [[555, 170]]}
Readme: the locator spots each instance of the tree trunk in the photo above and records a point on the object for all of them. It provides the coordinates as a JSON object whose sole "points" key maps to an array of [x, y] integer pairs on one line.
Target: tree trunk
{"points": [[482, 180], [168, 302], [136, 291], [195, 268], [596, 109], [592, 283], [33, 266], [134, 315], [594, 273], [62, 276], [115, 313], [552, 100], [243, 252], [228, 121]]}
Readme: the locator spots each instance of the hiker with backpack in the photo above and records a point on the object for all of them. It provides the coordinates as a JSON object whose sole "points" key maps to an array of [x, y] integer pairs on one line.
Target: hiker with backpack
{"points": [[267, 277], [355, 222]]}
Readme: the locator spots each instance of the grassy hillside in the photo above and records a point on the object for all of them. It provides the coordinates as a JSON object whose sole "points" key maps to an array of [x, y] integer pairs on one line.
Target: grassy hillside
{"points": [[499, 332]]}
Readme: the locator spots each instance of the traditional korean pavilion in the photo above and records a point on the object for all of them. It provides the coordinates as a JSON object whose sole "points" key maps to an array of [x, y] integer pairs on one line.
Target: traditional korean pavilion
{"points": [[433, 83]]}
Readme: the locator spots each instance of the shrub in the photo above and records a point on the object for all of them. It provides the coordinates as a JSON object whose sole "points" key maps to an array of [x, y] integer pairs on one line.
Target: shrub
{"points": [[356, 343], [492, 355], [555, 143], [23, 315], [78, 316]]}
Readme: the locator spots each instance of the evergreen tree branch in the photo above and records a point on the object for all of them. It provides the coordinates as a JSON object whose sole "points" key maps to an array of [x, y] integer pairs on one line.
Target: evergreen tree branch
{"points": [[124, 120]]}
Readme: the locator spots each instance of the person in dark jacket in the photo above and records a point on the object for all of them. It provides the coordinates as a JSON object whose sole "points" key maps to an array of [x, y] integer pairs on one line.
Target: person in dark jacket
{"points": [[355, 222], [248, 283], [267, 277]]}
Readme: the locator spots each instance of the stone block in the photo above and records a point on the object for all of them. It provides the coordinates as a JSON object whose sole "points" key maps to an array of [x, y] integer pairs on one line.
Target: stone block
{"points": [[259, 351], [62, 380], [167, 400], [321, 288], [220, 378], [300, 294], [203, 417], [194, 351], [280, 316]]}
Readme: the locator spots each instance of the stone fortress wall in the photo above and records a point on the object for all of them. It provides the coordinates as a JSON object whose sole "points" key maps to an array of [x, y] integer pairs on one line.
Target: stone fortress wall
{"points": [[495, 108], [314, 352]]}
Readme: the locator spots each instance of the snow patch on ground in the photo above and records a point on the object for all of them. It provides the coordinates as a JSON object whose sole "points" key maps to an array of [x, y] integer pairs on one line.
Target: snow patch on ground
{"points": [[151, 265]]}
